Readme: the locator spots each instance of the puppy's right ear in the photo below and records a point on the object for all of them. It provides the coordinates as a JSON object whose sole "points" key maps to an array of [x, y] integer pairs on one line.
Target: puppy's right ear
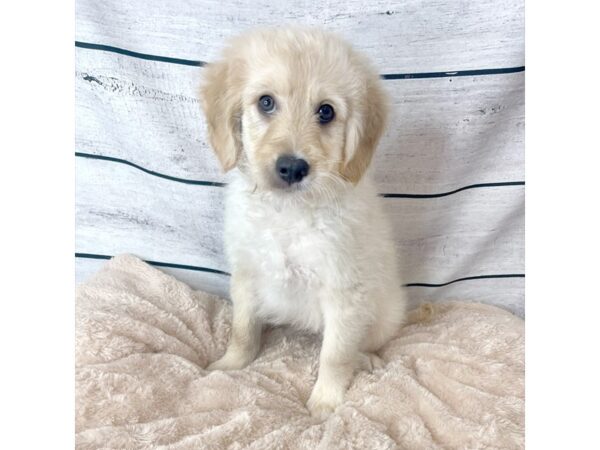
{"points": [[222, 104]]}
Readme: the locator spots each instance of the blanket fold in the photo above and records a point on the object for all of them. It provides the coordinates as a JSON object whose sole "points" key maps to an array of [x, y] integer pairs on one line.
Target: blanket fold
{"points": [[453, 378]]}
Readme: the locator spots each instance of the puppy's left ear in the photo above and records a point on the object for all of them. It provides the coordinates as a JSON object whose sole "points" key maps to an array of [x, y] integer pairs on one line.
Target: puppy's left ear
{"points": [[364, 128], [221, 95]]}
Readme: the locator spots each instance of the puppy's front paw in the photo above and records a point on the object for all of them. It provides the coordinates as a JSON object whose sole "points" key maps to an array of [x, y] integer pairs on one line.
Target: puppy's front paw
{"points": [[230, 361], [322, 402]]}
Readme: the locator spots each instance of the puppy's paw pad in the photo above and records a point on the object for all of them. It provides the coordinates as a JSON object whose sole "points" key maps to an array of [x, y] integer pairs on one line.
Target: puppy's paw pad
{"points": [[322, 405], [320, 411]]}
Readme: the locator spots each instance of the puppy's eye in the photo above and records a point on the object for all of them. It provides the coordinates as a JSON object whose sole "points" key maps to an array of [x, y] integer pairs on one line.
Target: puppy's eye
{"points": [[326, 113], [266, 104]]}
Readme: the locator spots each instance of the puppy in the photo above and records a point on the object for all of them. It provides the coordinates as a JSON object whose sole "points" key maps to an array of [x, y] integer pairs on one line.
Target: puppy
{"points": [[299, 114]]}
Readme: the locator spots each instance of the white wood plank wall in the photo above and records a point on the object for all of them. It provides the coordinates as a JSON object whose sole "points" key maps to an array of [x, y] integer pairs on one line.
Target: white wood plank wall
{"points": [[148, 184]]}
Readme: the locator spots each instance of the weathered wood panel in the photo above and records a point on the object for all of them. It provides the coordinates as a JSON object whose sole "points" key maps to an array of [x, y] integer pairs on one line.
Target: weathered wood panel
{"points": [[400, 36], [506, 293], [120, 209], [147, 112], [445, 133], [209, 282]]}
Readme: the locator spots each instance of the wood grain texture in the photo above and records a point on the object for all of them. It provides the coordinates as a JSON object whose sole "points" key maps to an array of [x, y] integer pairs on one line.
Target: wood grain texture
{"points": [[445, 133], [122, 210], [147, 112], [505, 293], [400, 36], [209, 282]]}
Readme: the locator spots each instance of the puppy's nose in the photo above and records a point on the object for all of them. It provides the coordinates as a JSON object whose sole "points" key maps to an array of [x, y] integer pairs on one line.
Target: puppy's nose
{"points": [[291, 169]]}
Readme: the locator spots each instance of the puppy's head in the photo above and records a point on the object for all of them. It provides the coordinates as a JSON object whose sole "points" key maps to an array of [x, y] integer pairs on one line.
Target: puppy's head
{"points": [[297, 110]]}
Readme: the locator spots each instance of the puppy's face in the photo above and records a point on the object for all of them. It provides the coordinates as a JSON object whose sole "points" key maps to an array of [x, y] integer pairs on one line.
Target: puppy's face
{"points": [[296, 110]]}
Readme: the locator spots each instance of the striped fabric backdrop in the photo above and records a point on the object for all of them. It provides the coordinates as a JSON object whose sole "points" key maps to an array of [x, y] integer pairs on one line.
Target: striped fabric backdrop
{"points": [[451, 165]]}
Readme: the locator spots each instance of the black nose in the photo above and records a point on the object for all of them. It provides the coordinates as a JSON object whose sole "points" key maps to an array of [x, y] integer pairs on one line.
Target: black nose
{"points": [[291, 169]]}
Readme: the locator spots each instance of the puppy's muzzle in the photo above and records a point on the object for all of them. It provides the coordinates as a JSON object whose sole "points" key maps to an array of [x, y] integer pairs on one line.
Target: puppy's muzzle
{"points": [[291, 169]]}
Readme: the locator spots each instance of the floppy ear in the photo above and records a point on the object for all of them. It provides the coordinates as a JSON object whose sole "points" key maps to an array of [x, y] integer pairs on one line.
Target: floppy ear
{"points": [[364, 128], [222, 104]]}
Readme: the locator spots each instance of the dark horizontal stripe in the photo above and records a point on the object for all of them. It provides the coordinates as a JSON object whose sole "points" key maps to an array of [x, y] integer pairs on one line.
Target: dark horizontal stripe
{"points": [[460, 73], [217, 184], [443, 194], [478, 277], [157, 263], [385, 76], [220, 272], [148, 171], [122, 51]]}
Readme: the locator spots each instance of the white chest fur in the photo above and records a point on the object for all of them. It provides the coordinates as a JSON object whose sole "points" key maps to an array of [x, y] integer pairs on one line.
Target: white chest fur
{"points": [[294, 253]]}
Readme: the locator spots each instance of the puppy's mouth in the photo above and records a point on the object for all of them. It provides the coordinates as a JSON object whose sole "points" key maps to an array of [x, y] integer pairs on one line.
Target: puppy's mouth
{"points": [[286, 187]]}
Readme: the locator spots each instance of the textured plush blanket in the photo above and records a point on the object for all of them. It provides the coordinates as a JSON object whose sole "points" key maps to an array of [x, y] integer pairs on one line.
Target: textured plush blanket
{"points": [[454, 376]]}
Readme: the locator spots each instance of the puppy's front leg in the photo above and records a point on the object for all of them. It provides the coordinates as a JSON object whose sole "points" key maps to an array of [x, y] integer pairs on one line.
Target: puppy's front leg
{"points": [[340, 355], [246, 328]]}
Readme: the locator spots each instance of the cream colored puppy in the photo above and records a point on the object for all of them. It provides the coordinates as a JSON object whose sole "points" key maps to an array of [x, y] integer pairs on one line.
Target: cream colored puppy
{"points": [[299, 114]]}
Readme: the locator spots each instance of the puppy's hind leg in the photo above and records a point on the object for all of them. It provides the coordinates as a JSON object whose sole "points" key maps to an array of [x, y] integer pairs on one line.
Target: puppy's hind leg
{"points": [[246, 328]]}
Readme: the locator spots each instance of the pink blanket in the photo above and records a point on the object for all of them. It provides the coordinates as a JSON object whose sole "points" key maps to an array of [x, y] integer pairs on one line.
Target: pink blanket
{"points": [[453, 379]]}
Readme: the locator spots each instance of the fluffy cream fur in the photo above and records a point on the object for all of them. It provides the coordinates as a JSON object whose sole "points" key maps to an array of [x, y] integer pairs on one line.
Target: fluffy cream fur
{"points": [[319, 254], [143, 340]]}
